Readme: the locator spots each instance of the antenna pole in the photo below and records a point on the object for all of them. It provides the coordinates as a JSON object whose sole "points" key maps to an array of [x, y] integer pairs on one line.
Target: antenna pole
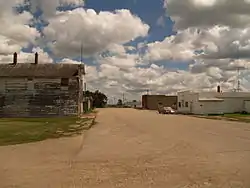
{"points": [[238, 79]]}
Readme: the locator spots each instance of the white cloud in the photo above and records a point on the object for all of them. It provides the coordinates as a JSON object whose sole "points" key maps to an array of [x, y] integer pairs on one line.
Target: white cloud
{"points": [[120, 56], [179, 47], [122, 62], [159, 80], [97, 32], [214, 35], [49, 6], [15, 31], [207, 13], [69, 61]]}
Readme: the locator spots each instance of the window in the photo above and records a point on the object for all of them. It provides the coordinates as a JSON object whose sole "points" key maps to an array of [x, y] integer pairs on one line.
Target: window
{"points": [[179, 104], [186, 104], [64, 81]]}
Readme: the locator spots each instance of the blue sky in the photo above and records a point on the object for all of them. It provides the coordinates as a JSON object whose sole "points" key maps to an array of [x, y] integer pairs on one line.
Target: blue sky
{"points": [[147, 10], [121, 65]]}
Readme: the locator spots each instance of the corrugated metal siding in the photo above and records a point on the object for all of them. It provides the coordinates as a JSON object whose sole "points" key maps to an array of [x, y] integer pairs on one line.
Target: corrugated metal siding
{"points": [[233, 102], [210, 107], [151, 102], [247, 106]]}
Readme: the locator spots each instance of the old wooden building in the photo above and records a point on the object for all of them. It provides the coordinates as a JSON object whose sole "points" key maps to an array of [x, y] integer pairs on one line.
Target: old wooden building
{"points": [[39, 90]]}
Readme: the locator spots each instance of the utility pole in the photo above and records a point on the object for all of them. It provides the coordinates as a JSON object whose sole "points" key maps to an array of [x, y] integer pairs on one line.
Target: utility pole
{"points": [[123, 98], [238, 72], [238, 79]]}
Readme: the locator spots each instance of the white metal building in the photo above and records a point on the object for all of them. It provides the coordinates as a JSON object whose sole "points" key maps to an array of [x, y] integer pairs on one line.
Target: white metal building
{"points": [[213, 102]]}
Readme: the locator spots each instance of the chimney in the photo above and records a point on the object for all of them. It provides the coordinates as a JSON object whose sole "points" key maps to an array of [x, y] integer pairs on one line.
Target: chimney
{"points": [[36, 58], [218, 89], [14, 58]]}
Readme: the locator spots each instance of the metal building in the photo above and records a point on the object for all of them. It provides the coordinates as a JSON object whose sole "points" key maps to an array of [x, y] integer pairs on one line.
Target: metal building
{"points": [[151, 102], [206, 103]]}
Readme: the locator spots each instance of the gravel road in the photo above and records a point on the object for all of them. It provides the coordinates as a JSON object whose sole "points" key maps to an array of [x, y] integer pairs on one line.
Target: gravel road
{"points": [[135, 149]]}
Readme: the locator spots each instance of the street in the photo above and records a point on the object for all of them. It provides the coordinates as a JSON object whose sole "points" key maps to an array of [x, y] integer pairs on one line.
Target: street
{"points": [[135, 149]]}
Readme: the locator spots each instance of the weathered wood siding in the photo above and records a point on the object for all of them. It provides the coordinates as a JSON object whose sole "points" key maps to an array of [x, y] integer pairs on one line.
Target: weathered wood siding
{"points": [[25, 97]]}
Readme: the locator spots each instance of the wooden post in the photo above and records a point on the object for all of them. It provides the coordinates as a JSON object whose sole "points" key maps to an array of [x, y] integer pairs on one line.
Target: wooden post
{"points": [[80, 90]]}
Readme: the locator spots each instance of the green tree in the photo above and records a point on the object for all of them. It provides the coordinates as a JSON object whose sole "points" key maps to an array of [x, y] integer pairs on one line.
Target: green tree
{"points": [[99, 99], [119, 103]]}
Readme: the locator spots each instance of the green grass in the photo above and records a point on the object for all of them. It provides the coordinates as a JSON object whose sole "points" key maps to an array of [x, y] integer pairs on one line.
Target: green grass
{"points": [[237, 115], [231, 117], [24, 130]]}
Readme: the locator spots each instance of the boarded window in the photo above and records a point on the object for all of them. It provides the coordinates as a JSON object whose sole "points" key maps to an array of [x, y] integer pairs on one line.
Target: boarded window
{"points": [[64, 82], [186, 104]]}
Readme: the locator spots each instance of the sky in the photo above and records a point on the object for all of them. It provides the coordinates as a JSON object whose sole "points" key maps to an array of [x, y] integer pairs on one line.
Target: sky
{"points": [[132, 46]]}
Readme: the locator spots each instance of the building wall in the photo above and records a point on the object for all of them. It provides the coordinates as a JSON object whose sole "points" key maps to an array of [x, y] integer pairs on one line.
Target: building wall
{"points": [[187, 102], [209, 107], [151, 102], [247, 106], [232, 102], [23, 97]]}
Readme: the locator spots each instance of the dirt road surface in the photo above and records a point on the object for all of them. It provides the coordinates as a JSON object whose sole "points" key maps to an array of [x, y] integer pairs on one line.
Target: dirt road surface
{"points": [[135, 149]]}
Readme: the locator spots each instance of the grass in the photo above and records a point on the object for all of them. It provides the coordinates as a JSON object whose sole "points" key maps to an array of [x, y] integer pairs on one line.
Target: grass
{"points": [[237, 115], [24, 130], [231, 117]]}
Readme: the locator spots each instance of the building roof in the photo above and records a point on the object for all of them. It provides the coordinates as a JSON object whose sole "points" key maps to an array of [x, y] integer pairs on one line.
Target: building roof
{"points": [[160, 95], [40, 70], [210, 99]]}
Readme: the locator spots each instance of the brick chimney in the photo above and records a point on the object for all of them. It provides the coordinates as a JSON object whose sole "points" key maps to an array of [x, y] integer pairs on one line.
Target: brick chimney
{"points": [[36, 58], [218, 89], [14, 58]]}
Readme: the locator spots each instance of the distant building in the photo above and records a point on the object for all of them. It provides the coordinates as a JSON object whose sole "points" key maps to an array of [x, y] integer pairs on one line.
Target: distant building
{"points": [[213, 102], [38, 90], [151, 102], [133, 104]]}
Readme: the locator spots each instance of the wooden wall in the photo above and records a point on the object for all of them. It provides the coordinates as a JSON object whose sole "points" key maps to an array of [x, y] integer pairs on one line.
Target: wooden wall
{"points": [[38, 97]]}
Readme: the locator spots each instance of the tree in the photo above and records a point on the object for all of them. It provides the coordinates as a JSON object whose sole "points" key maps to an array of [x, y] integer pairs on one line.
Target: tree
{"points": [[99, 100], [119, 103]]}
